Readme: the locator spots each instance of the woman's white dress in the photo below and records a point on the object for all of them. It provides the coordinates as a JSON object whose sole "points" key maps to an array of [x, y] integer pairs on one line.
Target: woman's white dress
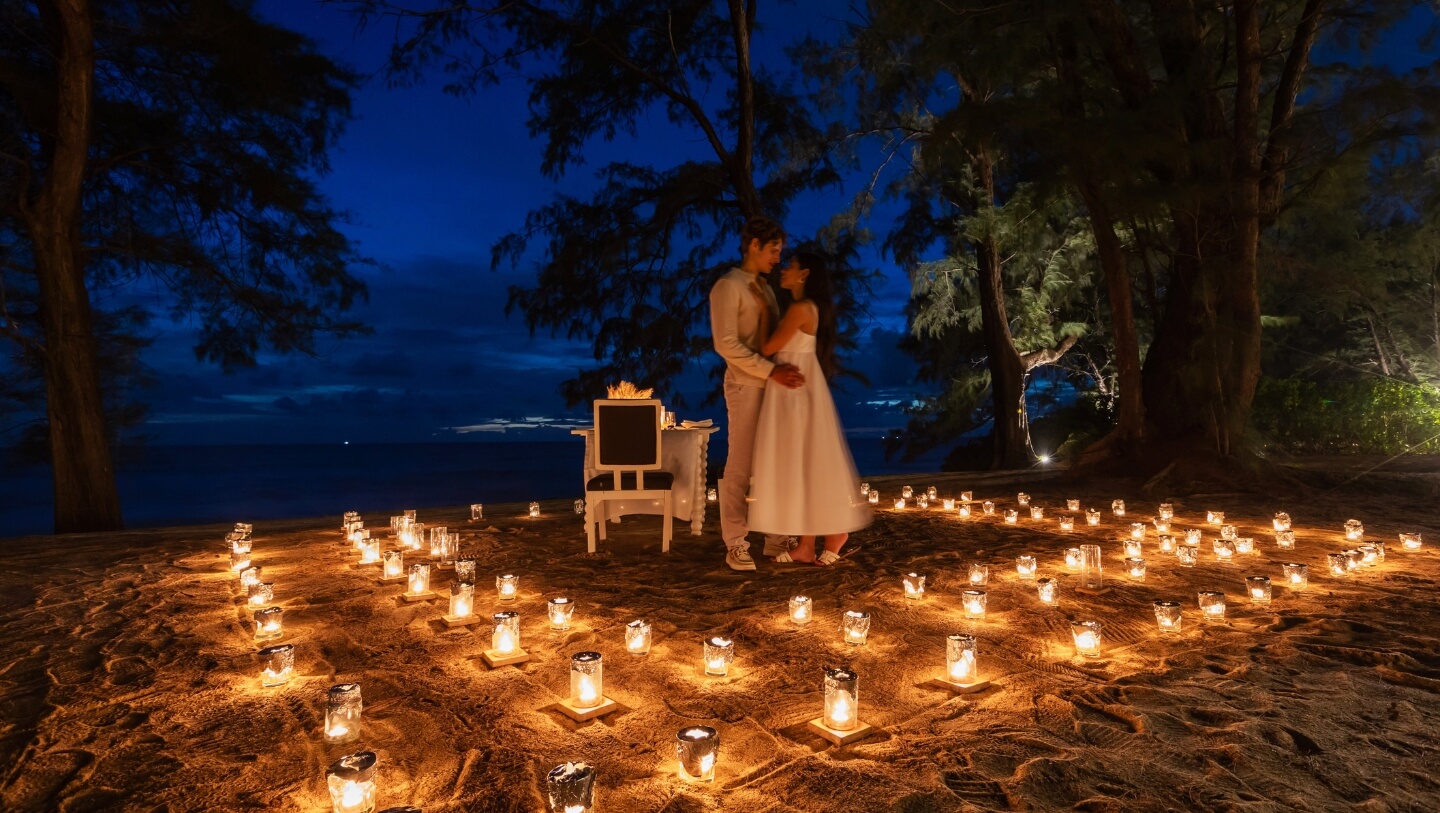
{"points": [[804, 480]]}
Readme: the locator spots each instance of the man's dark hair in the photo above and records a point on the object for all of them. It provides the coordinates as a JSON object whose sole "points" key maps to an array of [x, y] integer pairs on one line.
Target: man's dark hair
{"points": [[760, 228]]}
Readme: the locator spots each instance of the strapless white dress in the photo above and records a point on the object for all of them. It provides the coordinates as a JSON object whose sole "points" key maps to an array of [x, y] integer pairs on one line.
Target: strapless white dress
{"points": [[804, 480]]}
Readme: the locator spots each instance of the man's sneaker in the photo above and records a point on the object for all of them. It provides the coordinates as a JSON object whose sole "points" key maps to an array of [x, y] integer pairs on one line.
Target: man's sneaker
{"points": [[774, 546], [738, 558]]}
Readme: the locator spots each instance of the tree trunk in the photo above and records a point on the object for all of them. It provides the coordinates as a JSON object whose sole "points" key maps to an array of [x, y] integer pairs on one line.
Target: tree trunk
{"points": [[1130, 413], [86, 498]]}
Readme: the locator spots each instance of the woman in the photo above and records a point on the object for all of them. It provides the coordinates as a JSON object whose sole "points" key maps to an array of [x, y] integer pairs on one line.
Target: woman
{"points": [[804, 483]]}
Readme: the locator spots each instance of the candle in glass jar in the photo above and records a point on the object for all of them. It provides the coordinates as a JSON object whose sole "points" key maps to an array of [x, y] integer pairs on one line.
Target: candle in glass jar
{"points": [[1048, 590], [1167, 616], [477, 511], [960, 665], [1258, 588], [1297, 576], [1117, 507], [1135, 568], [1353, 558], [922, 502], [561, 610], [1072, 558], [637, 637], [1410, 541], [571, 788], [239, 543], [507, 587], [465, 571], [1354, 531], [1281, 521], [899, 504], [907, 492], [269, 623], [462, 600], [965, 496], [1162, 526], [587, 680], [719, 653], [1037, 512], [1133, 548], [1092, 516], [1022, 499], [1224, 549], [1087, 637], [248, 577], [855, 626], [1192, 536], [1166, 544], [987, 508], [1012, 516], [1072, 505], [1166, 511], [964, 510], [393, 564], [713, 494], [979, 574], [914, 585], [974, 603], [1229, 532], [1137, 530], [800, 612], [505, 633], [1285, 540], [342, 713], [932, 493], [948, 504], [534, 509], [1212, 605], [369, 551], [697, 748], [1067, 523], [1215, 517], [864, 489], [1187, 556], [261, 594], [239, 561], [842, 699], [1025, 567], [279, 664], [1368, 556], [351, 780], [1244, 544], [1339, 564], [419, 584], [873, 497]]}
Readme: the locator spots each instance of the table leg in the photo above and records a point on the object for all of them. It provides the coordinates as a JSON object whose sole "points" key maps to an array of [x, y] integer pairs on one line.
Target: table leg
{"points": [[698, 504]]}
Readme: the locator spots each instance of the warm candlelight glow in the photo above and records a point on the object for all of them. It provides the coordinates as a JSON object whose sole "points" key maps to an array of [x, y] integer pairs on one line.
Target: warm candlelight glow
{"points": [[1117, 507], [1162, 525], [1036, 512], [1229, 532], [1091, 571], [1192, 536], [697, 748], [964, 510], [1215, 517], [1259, 589], [261, 594], [907, 492], [1166, 544], [899, 504], [864, 488], [342, 713], [1166, 511], [922, 501], [587, 680], [419, 583], [1067, 523], [965, 496], [1135, 568], [719, 653], [1285, 540], [279, 664], [1224, 549], [713, 494], [800, 610], [462, 600], [979, 574], [932, 493], [369, 551], [1137, 530], [534, 509], [1168, 616], [1092, 516], [560, 610], [1410, 541], [1022, 499], [1297, 576], [1353, 559], [637, 637], [1087, 637], [505, 634], [1244, 544], [1012, 516], [988, 508], [1072, 558], [394, 564], [1025, 567], [1212, 605], [1282, 521], [1134, 548], [914, 585], [249, 576], [1368, 555], [1048, 590], [974, 603], [351, 780], [960, 659], [855, 625], [1339, 564], [507, 587], [873, 497], [1072, 505], [948, 504], [1354, 531], [239, 561], [269, 623], [842, 699]]}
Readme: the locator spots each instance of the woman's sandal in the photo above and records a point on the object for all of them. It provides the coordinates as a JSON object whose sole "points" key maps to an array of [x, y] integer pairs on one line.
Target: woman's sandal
{"points": [[827, 558]]}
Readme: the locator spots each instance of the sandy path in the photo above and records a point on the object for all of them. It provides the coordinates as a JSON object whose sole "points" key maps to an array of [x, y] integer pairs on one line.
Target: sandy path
{"points": [[129, 679]]}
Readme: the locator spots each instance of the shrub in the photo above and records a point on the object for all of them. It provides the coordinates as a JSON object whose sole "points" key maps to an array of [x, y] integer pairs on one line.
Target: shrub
{"points": [[1375, 416]]}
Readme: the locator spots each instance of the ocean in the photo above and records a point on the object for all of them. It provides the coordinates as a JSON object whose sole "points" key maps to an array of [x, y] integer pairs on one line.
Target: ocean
{"points": [[187, 485]]}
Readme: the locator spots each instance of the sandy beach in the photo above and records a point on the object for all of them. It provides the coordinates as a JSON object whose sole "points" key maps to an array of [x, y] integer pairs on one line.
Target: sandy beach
{"points": [[130, 679]]}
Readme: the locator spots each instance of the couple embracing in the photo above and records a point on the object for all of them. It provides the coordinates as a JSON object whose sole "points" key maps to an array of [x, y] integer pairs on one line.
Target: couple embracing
{"points": [[786, 445]]}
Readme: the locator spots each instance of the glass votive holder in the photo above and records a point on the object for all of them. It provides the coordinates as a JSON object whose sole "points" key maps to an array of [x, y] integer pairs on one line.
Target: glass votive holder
{"points": [[864, 489], [964, 509], [277, 664], [1285, 540], [697, 748], [1244, 544], [1215, 517], [1354, 531], [1037, 512], [409, 513], [1117, 507], [712, 495], [1297, 576], [1092, 575], [1072, 505], [987, 508], [1368, 556], [1012, 516], [462, 600], [800, 610], [249, 576], [1338, 563], [507, 587], [899, 504], [351, 780], [534, 509], [914, 585], [392, 563], [1022, 499], [1092, 516], [1133, 548], [1167, 616], [1192, 536], [342, 713], [465, 571], [1410, 541], [1162, 526], [1137, 530], [1224, 549], [907, 492], [239, 543], [244, 528], [922, 502], [855, 626], [1067, 523], [1165, 543], [873, 497], [269, 623], [1048, 590], [842, 699], [505, 633], [1281, 521], [477, 511], [1072, 558], [974, 603], [1379, 547], [960, 664], [1166, 511], [1025, 567], [948, 504], [369, 551], [439, 541], [261, 594], [1087, 637], [719, 653], [979, 574], [1229, 532], [1187, 556], [587, 680], [1258, 588], [239, 561], [580, 507], [1135, 569], [1212, 605], [561, 610], [1353, 559], [966, 496], [932, 494], [637, 637], [570, 788], [419, 583]]}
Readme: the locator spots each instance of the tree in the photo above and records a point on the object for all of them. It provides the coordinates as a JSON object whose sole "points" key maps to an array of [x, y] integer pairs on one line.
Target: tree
{"points": [[628, 268], [171, 143]]}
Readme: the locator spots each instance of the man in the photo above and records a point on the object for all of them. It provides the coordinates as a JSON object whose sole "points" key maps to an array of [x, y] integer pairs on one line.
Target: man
{"points": [[735, 329]]}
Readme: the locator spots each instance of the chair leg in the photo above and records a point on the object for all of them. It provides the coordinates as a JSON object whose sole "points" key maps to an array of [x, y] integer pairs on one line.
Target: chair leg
{"points": [[590, 525], [669, 522], [603, 518]]}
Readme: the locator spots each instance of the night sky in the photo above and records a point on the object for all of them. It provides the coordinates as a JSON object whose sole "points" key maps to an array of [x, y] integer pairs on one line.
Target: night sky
{"points": [[430, 181]]}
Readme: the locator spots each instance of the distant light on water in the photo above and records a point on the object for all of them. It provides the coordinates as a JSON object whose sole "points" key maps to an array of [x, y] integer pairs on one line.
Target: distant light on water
{"points": [[1044, 458]]}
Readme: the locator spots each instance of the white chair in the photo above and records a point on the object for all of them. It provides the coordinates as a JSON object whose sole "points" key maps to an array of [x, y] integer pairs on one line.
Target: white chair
{"points": [[627, 459]]}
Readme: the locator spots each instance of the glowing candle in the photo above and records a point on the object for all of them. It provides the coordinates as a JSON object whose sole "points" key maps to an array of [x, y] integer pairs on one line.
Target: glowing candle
{"points": [[842, 699], [965, 510], [477, 511], [1224, 549], [410, 514], [369, 551], [1368, 556], [249, 576], [800, 613], [1410, 541], [1037, 512], [931, 493], [1092, 575], [1285, 540], [713, 494], [1135, 568], [1011, 516], [351, 780], [279, 664], [561, 610], [462, 600], [974, 603], [1229, 532], [865, 488], [1353, 559], [419, 583], [1134, 548], [1282, 521], [719, 653], [988, 508], [534, 509], [1244, 544], [579, 506], [1192, 536], [1338, 563], [239, 543], [358, 537], [261, 594], [1072, 505], [1379, 547], [948, 504], [873, 497], [979, 574], [1187, 556], [1025, 567], [922, 501], [1297, 576], [1067, 523], [465, 571], [1087, 637], [439, 541], [637, 637], [1166, 511], [697, 748], [1137, 530], [1162, 525], [1117, 507], [1072, 558], [1212, 605], [1166, 544], [1048, 590], [855, 626], [239, 561], [965, 496], [1167, 616], [507, 587], [1354, 531], [960, 664], [393, 563], [1215, 517], [914, 585], [1022, 499], [505, 634], [343, 707], [1258, 588], [571, 788], [269, 623], [587, 680], [907, 492], [1092, 516], [899, 504]]}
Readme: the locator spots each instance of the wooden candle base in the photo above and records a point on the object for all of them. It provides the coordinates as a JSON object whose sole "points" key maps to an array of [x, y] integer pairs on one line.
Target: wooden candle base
{"points": [[580, 715], [494, 659], [859, 732], [411, 598], [391, 579], [959, 688], [452, 622]]}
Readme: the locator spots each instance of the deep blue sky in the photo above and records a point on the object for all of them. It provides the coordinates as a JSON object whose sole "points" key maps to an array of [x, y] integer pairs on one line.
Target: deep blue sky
{"points": [[430, 181]]}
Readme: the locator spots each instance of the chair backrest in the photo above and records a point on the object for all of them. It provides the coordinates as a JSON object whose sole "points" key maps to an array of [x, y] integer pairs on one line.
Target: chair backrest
{"points": [[627, 434]]}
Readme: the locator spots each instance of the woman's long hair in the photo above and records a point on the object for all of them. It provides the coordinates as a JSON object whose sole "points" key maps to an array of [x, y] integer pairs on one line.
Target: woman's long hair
{"points": [[820, 289]]}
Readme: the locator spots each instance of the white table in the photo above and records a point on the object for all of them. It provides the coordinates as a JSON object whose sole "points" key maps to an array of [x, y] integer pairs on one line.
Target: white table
{"points": [[685, 453]]}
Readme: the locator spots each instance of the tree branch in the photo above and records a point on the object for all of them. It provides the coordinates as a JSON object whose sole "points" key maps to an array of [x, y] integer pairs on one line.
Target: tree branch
{"points": [[1040, 358]]}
